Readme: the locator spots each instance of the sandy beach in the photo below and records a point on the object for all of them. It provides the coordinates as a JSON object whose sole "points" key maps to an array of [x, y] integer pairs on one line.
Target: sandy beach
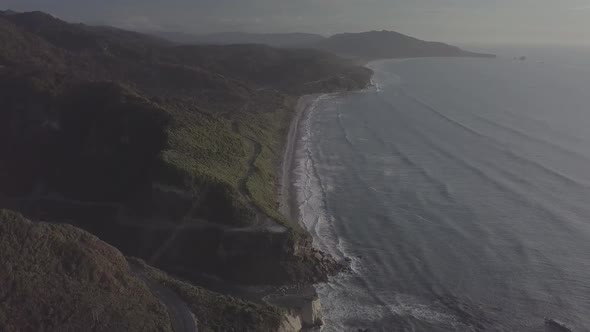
{"points": [[287, 192]]}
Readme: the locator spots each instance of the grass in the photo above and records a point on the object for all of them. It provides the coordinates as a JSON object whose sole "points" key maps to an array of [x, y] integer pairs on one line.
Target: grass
{"points": [[204, 145], [206, 155], [269, 129], [215, 149]]}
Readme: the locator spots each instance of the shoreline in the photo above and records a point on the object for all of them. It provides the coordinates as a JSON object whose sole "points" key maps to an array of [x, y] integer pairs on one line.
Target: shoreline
{"points": [[288, 205], [287, 191], [310, 313]]}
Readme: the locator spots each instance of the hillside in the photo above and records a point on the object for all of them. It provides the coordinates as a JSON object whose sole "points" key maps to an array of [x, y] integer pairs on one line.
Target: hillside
{"points": [[167, 152], [389, 44], [60, 278], [229, 38], [57, 277]]}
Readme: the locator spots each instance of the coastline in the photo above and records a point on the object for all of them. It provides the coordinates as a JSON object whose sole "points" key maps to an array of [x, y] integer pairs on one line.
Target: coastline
{"points": [[306, 298], [288, 205], [416, 308], [287, 191]]}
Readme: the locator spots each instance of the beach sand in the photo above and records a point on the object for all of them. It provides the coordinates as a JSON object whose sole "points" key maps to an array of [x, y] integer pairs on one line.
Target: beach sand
{"points": [[288, 204]]}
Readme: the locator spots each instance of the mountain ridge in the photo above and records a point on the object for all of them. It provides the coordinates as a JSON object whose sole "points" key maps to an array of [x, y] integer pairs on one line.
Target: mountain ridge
{"points": [[367, 45], [390, 44]]}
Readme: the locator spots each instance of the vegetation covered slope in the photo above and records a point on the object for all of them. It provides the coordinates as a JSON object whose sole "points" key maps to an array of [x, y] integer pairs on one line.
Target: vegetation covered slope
{"points": [[186, 118], [135, 139], [59, 278]]}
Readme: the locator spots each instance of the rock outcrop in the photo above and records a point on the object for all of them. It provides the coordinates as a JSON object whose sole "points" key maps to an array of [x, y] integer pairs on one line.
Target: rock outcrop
{"points": [[290, 323]]}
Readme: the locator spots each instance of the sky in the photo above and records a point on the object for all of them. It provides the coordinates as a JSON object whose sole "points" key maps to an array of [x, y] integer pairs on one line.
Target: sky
{"points": [[460, 21]]}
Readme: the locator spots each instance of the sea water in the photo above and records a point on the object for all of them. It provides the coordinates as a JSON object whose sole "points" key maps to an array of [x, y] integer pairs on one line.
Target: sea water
{"points": [[459, 190]]}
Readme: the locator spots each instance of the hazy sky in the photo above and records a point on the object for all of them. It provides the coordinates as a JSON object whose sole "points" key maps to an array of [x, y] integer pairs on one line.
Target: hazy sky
{"points": [[504, 21]]}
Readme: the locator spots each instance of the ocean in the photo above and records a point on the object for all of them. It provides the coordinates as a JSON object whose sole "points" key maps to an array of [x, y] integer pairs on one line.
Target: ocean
{"points": [[459, 190]]}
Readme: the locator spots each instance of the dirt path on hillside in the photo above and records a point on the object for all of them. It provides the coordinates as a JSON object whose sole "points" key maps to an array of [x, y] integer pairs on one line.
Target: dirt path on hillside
{"points": [[181, 316]]}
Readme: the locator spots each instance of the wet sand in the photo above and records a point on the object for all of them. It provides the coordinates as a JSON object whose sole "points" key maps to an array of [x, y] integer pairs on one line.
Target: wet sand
{"points": [[287, 192]]}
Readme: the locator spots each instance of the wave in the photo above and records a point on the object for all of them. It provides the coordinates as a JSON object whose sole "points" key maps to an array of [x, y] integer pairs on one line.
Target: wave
{"points": [[349, 306], [311, 192], [541, 142], [313, 206], [501, 147], [568, 216], [458, 231]]}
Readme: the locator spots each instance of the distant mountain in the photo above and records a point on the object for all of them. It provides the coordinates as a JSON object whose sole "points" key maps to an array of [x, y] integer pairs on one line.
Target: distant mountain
{"points": [[227, 38], [365, 45], [388, 44]]}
